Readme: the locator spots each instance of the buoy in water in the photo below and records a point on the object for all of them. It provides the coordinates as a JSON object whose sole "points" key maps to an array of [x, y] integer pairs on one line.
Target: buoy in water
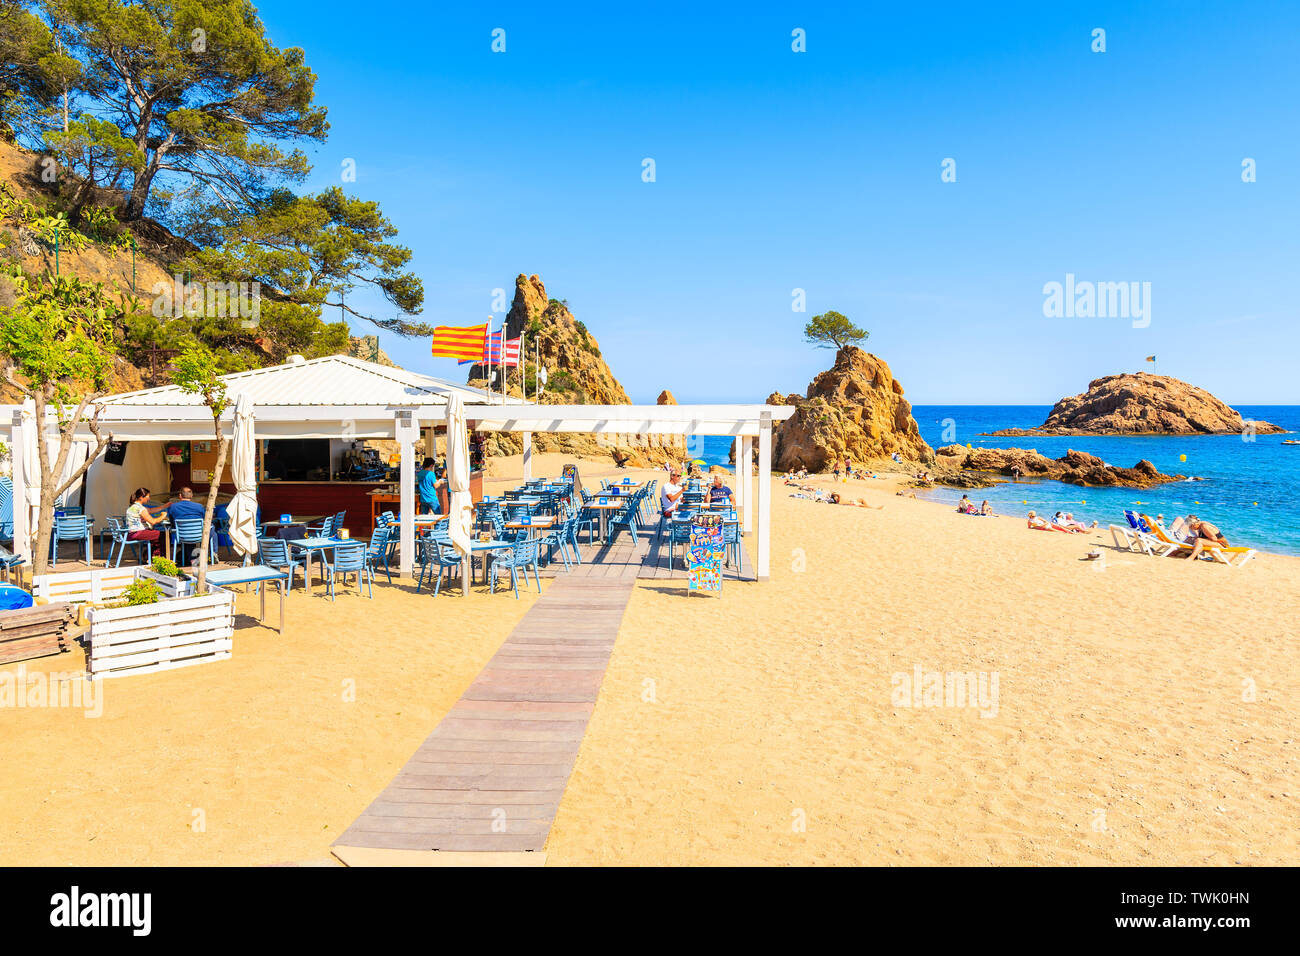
{"points": [[1182, 457]]}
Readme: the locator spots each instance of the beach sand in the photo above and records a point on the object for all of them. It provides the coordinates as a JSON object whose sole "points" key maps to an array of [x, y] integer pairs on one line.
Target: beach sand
{"points": [[1144, 712]]}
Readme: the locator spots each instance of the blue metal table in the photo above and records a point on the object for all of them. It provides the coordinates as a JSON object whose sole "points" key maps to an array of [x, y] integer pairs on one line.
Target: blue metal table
{"points": [[254, 574]]}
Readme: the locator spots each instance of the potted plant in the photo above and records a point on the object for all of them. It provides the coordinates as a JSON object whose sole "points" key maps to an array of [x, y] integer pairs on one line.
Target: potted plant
{"points": [[172, 581]]}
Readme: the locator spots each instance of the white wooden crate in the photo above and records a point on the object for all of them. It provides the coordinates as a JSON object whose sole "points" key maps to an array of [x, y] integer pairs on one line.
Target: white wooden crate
{"points": [[174, 632]]}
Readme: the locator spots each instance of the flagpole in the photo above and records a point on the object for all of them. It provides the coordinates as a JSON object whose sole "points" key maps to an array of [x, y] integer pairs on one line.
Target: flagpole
{"points": [[523, 388]]}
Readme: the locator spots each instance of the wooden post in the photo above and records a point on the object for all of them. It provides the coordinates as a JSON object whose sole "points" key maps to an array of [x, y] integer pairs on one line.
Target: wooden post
{"points": [[528, 456], [764, 494], [745, 473], [406, 429]]}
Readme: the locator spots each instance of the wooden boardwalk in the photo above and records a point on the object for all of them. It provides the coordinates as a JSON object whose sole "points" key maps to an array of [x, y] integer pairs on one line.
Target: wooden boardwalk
{"points": [[486, 785], [490, 776]]}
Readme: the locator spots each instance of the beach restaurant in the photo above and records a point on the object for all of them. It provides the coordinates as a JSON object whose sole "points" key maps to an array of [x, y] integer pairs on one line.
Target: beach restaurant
{"points": [[309, 417]]}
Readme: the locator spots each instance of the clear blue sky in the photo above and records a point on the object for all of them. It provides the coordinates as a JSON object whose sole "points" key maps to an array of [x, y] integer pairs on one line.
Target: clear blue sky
{"points": [[779, 170]]}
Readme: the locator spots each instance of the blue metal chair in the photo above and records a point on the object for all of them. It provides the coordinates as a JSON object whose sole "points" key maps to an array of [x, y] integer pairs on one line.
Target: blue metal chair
{"points": [[106, 535], [588, 517], [679, 532], [190, 531], [437, 554], [323, 530], [731, 543], [339, 518], [557, 537], [274, 552], [517, 561], [647, 501], [70, 528], [626, 516], [377, 550], [12, 564], [351, 559]]}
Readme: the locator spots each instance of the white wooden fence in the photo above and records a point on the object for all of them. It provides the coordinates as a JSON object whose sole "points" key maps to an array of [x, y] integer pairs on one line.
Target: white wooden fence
{"points": [[101, 585], [175, 632]]}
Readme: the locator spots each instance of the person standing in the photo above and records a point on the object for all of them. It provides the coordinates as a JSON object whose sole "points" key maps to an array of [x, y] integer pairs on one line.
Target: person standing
{"points": [[427, 484]]}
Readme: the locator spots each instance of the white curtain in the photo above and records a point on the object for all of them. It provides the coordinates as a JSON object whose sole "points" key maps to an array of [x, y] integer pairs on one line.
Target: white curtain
{"points": [[243, 461], [460, 505], [31, 468]]}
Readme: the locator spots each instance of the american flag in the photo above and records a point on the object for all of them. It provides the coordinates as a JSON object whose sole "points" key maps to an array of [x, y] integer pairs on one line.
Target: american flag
{"points": [[492, 351]]}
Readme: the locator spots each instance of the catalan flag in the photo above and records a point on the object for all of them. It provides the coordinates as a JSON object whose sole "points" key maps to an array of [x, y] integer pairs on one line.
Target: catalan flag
{"points": [[460, 343]]}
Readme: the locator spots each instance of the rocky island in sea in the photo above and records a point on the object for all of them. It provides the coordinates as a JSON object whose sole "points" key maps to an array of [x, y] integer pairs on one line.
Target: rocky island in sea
{"points": [[1136, 403]]}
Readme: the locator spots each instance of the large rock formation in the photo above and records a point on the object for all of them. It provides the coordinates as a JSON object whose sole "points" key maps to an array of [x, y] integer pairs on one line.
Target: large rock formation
{"points": [[1141, 404], [974, 467], [576, 375], [855, 409]]}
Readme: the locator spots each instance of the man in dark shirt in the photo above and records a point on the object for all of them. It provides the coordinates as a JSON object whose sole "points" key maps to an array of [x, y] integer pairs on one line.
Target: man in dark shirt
{"points": [[183, 506]]}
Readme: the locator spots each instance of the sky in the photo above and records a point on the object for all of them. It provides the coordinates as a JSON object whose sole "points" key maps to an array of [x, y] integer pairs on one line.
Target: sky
{"points": [[822, 171]]}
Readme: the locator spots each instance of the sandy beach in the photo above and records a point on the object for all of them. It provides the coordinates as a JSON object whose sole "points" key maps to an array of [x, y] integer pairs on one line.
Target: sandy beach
{"points": [[1141, 712]]}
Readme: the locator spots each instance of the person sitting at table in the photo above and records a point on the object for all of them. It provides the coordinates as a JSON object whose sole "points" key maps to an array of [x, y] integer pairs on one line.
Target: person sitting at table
{"points": [[718, 492], [139, 521], [182, 506], [427, 483], [671, 493]]}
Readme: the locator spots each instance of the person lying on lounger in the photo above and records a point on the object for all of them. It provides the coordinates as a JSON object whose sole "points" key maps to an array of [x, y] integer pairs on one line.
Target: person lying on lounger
{"points": [[1206, 533], [1042, 524]]}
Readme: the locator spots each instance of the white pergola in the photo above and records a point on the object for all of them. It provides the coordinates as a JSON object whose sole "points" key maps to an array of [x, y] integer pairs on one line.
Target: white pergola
{"points": [[343, 397]]}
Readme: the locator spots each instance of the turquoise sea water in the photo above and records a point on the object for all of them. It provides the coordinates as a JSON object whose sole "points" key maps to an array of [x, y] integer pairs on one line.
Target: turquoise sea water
{"points": [[1250, 492]]}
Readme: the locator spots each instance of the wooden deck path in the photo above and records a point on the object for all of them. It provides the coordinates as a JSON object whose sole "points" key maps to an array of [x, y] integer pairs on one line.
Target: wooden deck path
{"points": [[490, 776], [486, 785]]}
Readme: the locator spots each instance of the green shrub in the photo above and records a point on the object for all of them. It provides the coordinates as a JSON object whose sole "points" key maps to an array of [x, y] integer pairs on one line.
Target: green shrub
{"points": [[166, 567], [142, 591]]}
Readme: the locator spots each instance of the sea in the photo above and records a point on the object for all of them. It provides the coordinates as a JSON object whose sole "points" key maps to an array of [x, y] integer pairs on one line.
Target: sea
{"points": [[1249, 488]]}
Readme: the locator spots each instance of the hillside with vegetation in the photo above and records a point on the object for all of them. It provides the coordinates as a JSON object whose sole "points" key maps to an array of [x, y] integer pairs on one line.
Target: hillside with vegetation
{"points": [[148, 159]]}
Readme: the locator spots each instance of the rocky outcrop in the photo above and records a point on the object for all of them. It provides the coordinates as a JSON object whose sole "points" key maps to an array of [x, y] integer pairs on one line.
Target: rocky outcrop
{"points": [[577, 374], [855, 409], [974, 467], [1141, 404]]}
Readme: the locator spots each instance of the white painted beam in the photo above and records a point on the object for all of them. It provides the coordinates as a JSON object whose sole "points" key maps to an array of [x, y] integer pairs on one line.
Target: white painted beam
{"points": [[764, 497], [746, 473], [528, 456], [406, 429]]}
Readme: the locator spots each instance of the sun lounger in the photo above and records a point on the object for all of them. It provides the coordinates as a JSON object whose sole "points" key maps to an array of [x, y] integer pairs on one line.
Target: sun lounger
{"points": [[1217, 552], [1139, 538]]}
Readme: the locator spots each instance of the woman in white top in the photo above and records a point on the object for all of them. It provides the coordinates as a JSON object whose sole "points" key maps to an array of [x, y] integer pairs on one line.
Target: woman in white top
{"points": [[140, 521]]}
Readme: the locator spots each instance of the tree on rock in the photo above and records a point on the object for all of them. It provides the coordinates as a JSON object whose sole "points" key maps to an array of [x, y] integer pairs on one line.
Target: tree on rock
{"points": [[833, 330]]}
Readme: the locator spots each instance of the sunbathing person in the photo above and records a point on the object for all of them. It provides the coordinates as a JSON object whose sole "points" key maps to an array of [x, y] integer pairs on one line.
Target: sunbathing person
{"points": [[1206, 534], [986, 508], [1042, 524]]}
